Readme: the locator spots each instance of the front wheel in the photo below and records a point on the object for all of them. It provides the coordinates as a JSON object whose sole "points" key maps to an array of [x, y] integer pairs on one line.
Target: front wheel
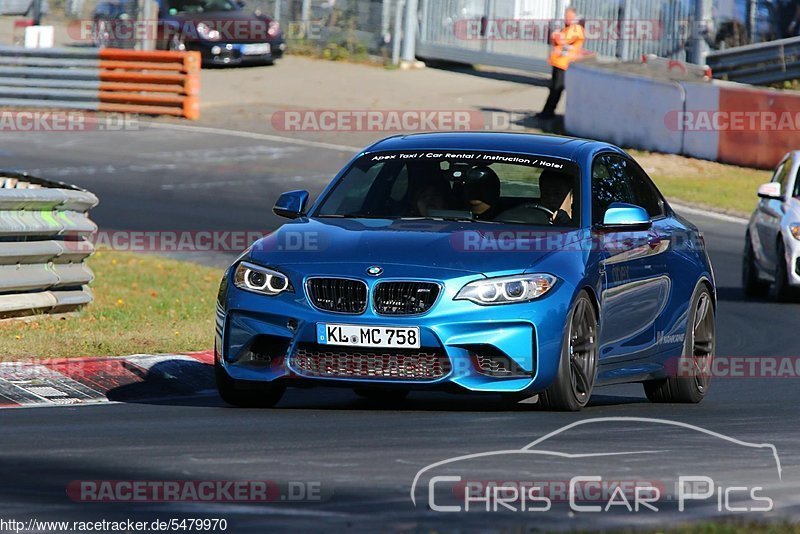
{"points": [[783, 290], [246, 395], [693, 374], [753, 285], [577, 370]]}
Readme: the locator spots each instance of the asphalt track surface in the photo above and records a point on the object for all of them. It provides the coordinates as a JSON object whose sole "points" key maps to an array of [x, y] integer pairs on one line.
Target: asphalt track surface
{"points": [[365, 457]]}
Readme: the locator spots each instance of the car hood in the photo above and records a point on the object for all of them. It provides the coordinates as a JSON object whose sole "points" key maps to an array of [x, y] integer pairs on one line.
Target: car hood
{"points": [[436, 246]]}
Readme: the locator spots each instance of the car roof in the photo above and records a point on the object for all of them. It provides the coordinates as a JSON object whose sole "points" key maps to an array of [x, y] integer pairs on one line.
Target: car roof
{"points": [[523, 143]]}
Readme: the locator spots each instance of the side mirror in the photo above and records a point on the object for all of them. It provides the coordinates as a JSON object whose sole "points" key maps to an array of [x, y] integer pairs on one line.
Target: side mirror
{"points": [[291, 205], [621, 216], [771, 190]]}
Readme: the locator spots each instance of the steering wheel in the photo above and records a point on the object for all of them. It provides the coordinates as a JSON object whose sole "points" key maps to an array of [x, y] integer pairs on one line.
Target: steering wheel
{"points": [[523, 214], [550, 214]]}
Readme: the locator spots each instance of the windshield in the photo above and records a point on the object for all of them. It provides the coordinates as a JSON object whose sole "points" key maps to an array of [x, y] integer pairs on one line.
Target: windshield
{"points": [[486, 187], [200, 6]]}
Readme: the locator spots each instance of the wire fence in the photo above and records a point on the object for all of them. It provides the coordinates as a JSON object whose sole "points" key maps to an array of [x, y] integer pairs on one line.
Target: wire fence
{"points": [[337, 28], [477, 31]]}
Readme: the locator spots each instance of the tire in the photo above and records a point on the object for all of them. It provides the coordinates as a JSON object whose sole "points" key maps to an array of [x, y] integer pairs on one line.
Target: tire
{"points": [[783, 291], [577, 370], [753, 285], [381, 395], [248, 394], [698, 346]]}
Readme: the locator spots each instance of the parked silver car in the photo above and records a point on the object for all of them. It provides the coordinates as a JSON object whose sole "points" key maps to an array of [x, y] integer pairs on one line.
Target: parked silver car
{"points": [[772, 243]]}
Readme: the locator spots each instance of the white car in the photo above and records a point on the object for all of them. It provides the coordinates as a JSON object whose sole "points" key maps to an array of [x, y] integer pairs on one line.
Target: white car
{"points": [[772, 243]]}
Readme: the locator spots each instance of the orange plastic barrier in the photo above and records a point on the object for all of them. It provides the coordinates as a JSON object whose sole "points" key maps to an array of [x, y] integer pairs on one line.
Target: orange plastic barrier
{"points": [[150, 82]]}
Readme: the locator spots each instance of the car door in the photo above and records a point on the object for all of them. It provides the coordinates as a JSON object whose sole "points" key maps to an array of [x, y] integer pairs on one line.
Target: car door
{"points": [[768, 219], [635, 286]]}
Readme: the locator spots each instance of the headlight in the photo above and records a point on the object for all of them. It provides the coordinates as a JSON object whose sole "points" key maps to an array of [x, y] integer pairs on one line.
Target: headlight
{"points": [[261, 280], [273, 29], [204, 32], [507, 289], [794, 228]]}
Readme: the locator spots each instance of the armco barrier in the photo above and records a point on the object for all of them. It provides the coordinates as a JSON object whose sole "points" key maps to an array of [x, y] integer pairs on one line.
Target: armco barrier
{"points": [[720, 121], [106, 79], [43, 244], [760, 63]]}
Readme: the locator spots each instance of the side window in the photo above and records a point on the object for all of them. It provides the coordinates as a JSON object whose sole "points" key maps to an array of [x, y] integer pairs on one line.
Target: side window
{"points": [[782, 174], [797, 184], [645, 192], [610, 183]]}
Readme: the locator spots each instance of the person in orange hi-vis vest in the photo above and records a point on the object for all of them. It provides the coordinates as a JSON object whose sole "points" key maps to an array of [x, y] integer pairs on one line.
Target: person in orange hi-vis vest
{"points": [[567, 46]]}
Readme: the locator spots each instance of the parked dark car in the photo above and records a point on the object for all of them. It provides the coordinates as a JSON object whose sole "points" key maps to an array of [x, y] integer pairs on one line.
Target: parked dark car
{"points": [[223, 31]]}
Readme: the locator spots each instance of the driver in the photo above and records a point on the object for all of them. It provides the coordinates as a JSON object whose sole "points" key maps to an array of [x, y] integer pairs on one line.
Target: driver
{"points": [[482, 193], [555, 192]]}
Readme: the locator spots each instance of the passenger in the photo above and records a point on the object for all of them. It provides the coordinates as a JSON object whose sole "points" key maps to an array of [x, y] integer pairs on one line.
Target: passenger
{"points": [[555, 194], [482, 193]]}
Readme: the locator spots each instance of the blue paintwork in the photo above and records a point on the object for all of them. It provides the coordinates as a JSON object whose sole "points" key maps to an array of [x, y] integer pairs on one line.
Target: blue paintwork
{"points": [[642, 299], [291, 204]]}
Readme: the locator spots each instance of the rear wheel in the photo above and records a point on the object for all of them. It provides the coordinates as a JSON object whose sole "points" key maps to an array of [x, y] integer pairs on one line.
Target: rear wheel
{"points": [[783, 291], [753, 285], [246, 394], [572, 387], [693, 374], [382, 395]]}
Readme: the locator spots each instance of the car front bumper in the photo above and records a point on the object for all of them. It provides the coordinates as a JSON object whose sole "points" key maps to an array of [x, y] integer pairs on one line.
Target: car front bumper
{"points": [[222, 53], [261, 338]]}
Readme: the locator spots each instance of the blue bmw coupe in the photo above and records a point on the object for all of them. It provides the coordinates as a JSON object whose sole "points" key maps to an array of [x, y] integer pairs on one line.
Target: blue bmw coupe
{"points": [[499, 263]]}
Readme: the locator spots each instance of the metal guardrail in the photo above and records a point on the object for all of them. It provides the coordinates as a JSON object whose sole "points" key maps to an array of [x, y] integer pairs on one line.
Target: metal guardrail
{"points": [[44, 240], [107, 79], [758, 64]]}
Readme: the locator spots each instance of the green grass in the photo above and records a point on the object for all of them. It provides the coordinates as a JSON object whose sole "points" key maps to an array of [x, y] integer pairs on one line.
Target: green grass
{"points": [[143, 303], [702, 183]]}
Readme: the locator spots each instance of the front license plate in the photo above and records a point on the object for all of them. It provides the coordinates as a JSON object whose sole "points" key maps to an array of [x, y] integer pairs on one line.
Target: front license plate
{"points": [[258, 49], [368, 336]]}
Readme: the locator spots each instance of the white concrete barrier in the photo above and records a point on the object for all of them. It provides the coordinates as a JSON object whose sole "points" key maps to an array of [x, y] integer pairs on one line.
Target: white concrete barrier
{"points": [[621, 108], [700, 138], [720, 121]]}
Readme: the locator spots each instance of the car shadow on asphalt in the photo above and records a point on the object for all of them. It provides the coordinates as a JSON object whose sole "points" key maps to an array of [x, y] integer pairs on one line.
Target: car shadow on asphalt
{"points": [[736, 294], [191, 384]]}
